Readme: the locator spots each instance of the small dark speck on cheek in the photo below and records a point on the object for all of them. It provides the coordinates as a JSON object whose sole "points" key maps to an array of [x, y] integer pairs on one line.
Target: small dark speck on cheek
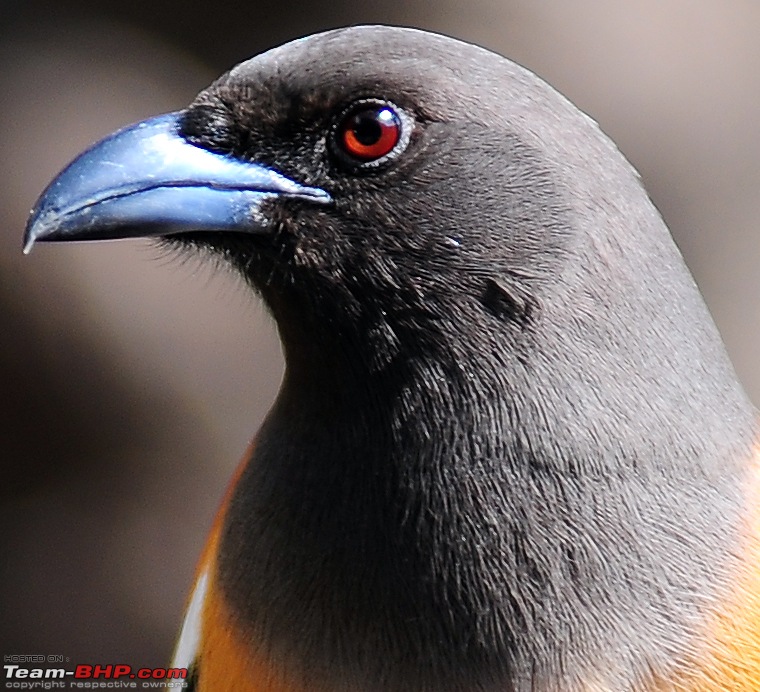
{"points": [[507, 302]]}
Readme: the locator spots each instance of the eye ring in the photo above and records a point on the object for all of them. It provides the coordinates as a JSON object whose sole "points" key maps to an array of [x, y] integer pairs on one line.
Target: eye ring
{"points": [[370, 132]]}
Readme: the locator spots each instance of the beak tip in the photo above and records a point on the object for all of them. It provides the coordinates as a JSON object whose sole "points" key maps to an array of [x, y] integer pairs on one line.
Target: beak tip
{"points": [[35, 230], [30, 236]]}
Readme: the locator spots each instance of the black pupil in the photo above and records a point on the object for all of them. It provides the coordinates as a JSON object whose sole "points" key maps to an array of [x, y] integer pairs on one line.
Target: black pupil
{"points": [[366, 127]]}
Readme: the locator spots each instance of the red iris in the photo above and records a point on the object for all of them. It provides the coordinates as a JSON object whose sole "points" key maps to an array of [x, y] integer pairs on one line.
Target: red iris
{"points": [[370, 132]]}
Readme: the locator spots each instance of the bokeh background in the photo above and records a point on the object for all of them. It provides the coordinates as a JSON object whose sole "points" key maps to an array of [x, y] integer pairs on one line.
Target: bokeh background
{"points": [[131, 381]]}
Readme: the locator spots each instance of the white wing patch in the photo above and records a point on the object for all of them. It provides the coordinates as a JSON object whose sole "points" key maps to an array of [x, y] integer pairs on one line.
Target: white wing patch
{"points": [[190, 636]]}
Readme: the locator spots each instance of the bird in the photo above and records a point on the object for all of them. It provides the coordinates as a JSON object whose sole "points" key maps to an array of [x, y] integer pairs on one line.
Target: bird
{"points": [[509, 451]]}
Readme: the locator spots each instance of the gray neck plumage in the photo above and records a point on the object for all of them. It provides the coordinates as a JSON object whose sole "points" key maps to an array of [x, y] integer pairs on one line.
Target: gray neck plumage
{"points": [[455, 523]]}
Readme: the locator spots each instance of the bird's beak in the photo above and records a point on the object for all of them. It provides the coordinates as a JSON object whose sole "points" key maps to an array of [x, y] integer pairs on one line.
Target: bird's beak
{"points": [[146, 180]]}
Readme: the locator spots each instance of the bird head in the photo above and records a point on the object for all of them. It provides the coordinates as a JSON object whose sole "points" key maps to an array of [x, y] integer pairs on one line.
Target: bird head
{"points": [[361, 181]]}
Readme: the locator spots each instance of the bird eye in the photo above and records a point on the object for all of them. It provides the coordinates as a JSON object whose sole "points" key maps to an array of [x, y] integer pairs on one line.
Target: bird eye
{"points": [[369, 132]]}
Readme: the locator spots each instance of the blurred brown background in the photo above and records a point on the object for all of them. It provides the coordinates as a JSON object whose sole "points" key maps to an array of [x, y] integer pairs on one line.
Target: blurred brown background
{"points": [[130, 381]]}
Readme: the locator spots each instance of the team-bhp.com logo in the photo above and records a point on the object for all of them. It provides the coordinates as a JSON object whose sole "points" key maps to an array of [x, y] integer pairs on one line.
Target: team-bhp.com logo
{"points": [[93, 676]]}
